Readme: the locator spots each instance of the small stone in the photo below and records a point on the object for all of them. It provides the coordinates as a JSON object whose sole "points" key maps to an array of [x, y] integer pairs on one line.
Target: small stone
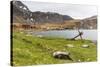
{"points": [[79, 60], [85, 46]]}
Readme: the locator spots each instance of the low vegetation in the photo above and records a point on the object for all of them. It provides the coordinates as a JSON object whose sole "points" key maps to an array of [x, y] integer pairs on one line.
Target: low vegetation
{"points": [[33, 50]]}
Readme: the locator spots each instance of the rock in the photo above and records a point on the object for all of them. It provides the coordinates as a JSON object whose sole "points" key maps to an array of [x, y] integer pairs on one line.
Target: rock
{"points": [[85, 46], [61, 55], [69, 45], [79, 60]]}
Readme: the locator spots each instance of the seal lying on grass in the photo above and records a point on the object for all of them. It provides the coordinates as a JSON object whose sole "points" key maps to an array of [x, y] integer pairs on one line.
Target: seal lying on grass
{"points": [[61, 55]]}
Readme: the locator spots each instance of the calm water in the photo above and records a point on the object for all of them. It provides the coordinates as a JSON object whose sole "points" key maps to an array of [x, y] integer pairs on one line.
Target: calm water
{"points": [[87, 34]]}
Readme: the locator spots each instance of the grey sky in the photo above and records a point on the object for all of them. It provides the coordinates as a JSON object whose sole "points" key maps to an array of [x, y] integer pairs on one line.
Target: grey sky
{"points": [[73, 10]]}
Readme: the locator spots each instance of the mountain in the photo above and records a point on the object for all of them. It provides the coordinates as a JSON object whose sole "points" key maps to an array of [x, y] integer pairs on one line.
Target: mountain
{"points": [[22, 14], [49, 17], [89, 23]]}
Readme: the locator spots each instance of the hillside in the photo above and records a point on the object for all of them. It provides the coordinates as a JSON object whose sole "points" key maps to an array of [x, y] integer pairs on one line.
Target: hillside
{"points": [[89, 23], [49, 17], [21, 11], [33, 50]]}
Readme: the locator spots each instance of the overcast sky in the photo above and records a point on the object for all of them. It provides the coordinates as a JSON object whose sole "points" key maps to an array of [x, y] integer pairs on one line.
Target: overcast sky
{"points": [[73, 10]]}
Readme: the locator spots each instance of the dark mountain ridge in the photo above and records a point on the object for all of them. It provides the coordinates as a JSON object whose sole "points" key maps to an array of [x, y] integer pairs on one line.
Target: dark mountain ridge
{"points": [[22, 11]]}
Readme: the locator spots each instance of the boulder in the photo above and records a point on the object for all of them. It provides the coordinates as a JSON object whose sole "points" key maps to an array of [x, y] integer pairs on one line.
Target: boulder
{"points": [[85, 46], [61, 55]]}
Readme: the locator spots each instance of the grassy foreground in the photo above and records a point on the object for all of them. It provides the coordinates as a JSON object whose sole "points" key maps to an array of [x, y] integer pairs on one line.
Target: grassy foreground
{"points": [[33, 50]]}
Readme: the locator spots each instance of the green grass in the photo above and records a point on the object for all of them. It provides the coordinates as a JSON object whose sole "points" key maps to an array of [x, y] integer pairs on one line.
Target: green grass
{"points": [[33, 50]]}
